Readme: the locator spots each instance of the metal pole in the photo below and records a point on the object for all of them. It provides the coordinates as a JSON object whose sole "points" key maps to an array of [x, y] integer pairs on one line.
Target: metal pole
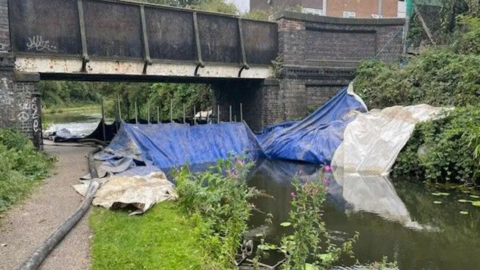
{"points": [[235, 118], [171, 110], [194, 114], [158, 114], [218, 114], [103, 121], [241, 112], [119, 108], [230, 113], [324, 7], [380, 8], [136, 113], [184, 113], [148, 111]]}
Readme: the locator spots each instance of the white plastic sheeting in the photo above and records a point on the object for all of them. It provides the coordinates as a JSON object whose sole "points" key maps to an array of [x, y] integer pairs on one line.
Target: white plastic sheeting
{"points": [[373, 194], [141, 192], [373, 140]]}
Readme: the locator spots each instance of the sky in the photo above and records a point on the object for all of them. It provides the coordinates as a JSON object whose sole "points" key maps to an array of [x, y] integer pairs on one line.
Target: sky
{"points": [[242, 5]]}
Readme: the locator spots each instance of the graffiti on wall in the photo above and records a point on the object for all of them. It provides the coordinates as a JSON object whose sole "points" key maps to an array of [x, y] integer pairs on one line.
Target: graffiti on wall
{"points": [[5, 93], [35, 115], [38, 44]]}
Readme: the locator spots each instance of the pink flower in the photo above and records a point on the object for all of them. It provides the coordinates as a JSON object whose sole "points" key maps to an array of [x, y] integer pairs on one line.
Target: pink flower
{"points": [[325, 181], [293, 194], [328, 168]]}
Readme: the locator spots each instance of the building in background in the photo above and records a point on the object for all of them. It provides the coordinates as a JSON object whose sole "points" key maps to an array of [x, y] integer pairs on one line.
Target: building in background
{"points": [[337, 8]]}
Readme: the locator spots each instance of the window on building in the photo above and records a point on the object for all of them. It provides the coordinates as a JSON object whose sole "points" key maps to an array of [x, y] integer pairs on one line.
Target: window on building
{"points": [[349, 14], [314, 11]]}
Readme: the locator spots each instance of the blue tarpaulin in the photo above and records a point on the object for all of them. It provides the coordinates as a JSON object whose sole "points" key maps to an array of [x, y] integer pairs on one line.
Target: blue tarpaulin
{"points": [[172, 145], [314, 139]]}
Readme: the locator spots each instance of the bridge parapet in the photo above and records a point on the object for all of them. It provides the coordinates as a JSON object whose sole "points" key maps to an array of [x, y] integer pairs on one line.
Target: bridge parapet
{"points": [[73, 36]]}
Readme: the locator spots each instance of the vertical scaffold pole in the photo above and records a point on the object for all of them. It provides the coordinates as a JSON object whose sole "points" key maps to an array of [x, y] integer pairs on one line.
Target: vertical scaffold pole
{"points": [[194, 114], [148, 111], [171, 110], [241, 112], [136, 113], [103, 121], [184, 113]]}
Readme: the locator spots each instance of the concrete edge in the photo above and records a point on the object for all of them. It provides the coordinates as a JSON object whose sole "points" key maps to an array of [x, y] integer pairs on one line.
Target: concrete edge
{"points": [[334, 20], [27, 77]]}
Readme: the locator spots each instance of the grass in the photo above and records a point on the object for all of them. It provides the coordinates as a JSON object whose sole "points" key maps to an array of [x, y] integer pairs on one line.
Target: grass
{"points": [[21, 169], [71, 108], [163, 238]]}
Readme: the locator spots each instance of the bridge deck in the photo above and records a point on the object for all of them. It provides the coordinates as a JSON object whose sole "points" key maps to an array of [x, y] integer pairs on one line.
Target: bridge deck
{"points": [[117, 37]]}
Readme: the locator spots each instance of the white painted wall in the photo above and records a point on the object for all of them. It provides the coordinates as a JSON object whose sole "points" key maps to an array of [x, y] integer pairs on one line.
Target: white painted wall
{"points": [[402, 9]]}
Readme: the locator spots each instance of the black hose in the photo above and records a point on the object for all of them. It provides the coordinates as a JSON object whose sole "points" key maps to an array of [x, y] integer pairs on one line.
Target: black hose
{"points": [[37, 257]]}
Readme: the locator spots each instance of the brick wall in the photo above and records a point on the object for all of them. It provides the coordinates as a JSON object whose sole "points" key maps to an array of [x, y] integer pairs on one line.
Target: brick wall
{"points": [[362, 8], [335, 8], [317, 95], [315, 41], [317, 4], [273, 105], [4, 27]]}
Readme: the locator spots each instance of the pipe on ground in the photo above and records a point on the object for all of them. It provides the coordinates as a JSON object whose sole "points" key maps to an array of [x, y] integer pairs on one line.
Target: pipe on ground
{"points": [[39, 255]]}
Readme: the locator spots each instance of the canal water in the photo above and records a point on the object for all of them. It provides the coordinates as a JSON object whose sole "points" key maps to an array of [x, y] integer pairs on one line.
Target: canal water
{"points": [[395, 218], [398, 219], [81, 123]]}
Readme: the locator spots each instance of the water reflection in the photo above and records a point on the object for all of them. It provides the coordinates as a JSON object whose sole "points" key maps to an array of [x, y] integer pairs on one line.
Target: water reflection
{"points": [[386, 213]]}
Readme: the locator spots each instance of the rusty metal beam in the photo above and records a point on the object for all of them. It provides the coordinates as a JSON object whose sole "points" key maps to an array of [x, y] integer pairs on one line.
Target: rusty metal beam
{"points": [[242, 48], [200, 63], [146, 46], [81, 17]]}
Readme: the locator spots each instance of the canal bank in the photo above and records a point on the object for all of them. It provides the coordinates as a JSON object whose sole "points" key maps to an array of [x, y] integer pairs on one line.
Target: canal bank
{"points": [[28, 224]]}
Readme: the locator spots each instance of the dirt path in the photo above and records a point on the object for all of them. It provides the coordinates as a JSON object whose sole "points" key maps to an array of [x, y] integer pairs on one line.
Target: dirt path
{"points": [[27, 225]]}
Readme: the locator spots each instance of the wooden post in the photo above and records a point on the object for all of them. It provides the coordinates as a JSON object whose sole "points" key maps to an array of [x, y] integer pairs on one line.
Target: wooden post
{"points": [[424, 24]]}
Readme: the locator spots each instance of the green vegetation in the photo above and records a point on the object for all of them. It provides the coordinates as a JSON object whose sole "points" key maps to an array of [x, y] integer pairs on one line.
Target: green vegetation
{"points": [[447, 149], [205, 227], [439, 77], [202, 230], [221, 198], [21, 169], [443, 150], [305, 243], [163, 238]]}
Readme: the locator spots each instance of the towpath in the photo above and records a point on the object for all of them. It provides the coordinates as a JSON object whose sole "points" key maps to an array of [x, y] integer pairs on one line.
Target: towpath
{"points": [[28, 224]]}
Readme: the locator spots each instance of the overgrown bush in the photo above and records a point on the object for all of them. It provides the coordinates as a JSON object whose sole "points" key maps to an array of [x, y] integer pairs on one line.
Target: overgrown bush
{"points": [[469, 41], [438, 78], [21, 168], [220, 197], [443, 150]]}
